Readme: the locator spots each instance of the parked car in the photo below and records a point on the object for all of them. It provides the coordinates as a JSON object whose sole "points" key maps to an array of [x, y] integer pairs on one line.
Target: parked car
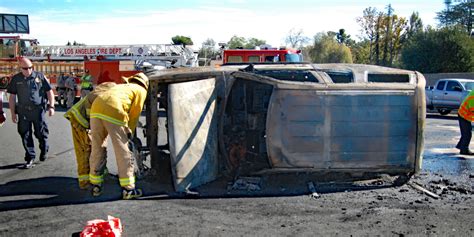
{"points": [[448, 94], [248, 120]]}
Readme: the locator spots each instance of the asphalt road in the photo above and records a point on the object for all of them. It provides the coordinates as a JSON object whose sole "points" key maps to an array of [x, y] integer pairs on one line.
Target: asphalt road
{"points": [[46, 201]]}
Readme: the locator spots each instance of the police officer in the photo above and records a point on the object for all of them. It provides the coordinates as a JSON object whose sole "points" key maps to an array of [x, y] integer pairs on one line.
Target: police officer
{"points": [[35, 97]]}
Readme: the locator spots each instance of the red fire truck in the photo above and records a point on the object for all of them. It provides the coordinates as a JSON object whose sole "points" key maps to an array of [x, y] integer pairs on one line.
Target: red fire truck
{"points": [[261, 55], [104, 62]]}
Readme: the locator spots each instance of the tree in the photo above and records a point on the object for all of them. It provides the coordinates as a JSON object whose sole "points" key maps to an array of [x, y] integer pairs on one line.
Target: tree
{"points": [[460, 14], [236, 42], [296, 39], [326, 49], [182, 40], [361, 52], [440, 51], [208, 50], [385, 32], [344, 38], [254, 42], [415, 25]]}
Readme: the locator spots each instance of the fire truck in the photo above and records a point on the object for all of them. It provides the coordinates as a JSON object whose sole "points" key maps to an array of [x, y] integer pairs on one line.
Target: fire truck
{"points": [[104, 62], [261, 55]]}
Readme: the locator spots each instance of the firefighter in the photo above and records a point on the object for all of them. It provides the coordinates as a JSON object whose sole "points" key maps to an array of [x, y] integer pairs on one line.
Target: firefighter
{"points": [[61, 89], [35, 97], [79, 118], [86, 84], [115, 114], [465, 117], [71, 89]]}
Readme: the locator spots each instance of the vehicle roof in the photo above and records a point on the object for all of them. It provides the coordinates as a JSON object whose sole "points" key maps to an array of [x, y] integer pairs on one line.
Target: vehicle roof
{"points": [[457, 79], [358, 71]]}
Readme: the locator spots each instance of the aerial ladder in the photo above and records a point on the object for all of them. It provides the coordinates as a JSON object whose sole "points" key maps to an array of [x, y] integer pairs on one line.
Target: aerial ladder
{"points": [[177, 55], [105, 62]]}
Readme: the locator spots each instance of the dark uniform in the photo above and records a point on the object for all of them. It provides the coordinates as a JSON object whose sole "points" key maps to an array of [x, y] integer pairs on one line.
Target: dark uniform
{"points": [[31, 108]]}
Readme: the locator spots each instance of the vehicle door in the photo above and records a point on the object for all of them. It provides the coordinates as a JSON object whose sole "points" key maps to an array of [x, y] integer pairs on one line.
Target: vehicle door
{"points": [[453, 94], [438, 93]]}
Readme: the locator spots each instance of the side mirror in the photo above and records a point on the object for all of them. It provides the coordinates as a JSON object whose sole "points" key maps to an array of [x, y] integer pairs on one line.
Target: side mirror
{"points": [[457, 88]]}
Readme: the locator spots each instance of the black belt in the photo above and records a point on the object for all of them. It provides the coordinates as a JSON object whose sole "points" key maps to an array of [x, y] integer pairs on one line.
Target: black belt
{"points": [[31, 107]]}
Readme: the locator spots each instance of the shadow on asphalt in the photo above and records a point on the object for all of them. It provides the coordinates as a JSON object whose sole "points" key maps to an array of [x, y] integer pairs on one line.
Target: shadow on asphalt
{"points": [[280, 185], [58, 191], [47, 191], [14, 166], [444, 117]]}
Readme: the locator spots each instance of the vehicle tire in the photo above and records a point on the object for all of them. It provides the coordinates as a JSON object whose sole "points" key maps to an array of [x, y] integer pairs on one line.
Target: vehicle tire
{"points": [[444, 111]]}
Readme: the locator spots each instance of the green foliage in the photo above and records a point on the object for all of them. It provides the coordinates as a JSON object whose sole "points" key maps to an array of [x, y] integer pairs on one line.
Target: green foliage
{"points": [[342, 37], [361, 52], [208, 50], [440, 51], [386, 33], [237, 42], [182, 40], [458, 15], [415, 25], [326, 49], [254, 42]]}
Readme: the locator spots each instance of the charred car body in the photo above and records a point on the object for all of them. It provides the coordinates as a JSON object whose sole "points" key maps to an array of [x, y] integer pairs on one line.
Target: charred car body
{"points": [[246, 120]]}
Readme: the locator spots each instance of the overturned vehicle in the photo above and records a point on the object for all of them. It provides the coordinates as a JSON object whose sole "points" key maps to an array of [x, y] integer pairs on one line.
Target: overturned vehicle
{"points": [[249, 120]]}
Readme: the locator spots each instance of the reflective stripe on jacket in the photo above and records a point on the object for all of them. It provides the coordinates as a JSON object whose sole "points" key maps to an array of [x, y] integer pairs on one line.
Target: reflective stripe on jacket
{"points": [[81, 110], [121, 105], [466, 110]]}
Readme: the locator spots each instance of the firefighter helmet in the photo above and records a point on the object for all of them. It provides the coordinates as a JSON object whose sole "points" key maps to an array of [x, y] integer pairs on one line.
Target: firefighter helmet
{"points": [[138, 78]]}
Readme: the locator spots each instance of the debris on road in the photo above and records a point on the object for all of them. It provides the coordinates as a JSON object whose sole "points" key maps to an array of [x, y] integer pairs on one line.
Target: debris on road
{"points": [[247, 183], [112, 227], [424, 190]]}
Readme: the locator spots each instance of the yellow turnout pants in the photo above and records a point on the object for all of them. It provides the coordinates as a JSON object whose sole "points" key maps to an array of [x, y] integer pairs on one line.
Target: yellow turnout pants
{"points": [[100, 130], [82, 148]]}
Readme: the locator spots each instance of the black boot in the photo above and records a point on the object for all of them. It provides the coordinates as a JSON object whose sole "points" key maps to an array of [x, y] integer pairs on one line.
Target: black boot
{"points": [[466, 152]]}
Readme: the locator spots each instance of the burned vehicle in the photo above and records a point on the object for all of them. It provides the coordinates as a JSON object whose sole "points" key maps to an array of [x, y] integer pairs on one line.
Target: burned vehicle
{"points": [[252, 119]]}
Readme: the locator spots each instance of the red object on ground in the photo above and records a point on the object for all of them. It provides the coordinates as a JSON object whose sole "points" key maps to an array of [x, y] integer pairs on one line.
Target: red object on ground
{"points": [[103, 228]]}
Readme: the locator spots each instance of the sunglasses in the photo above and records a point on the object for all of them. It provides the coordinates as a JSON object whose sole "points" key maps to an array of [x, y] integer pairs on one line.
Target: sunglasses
{"points": [[26, 68]]}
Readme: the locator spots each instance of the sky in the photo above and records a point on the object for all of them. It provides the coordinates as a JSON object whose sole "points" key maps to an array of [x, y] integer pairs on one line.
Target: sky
{"points": [[119, 22]]}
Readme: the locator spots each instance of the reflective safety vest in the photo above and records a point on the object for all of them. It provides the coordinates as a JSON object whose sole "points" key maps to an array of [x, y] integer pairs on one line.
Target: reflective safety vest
{"points": [[466, 110], [86, 81]]}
